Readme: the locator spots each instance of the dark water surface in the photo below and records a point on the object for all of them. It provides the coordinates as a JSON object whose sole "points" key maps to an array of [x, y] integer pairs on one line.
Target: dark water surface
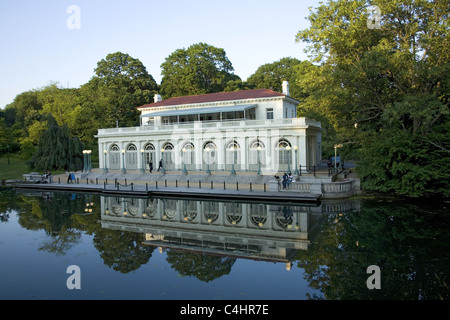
{"points": [[192, 249]]}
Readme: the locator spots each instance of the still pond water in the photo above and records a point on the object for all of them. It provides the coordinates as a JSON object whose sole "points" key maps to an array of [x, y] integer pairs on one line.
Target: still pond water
{"points": [[192, 249]]}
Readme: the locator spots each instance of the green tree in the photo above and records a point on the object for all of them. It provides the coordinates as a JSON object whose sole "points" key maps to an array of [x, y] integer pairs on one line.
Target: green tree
{"points": [[4, 134], [26, 106], [19, 115], [272, 75], [9, 114], [199, 69], [96, 101], [386, 84], [62, 104], [57, 149], [121, 83]]}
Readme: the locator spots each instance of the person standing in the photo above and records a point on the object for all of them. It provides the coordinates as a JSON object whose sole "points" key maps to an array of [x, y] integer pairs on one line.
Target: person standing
{"points": [[150, 166], [277, 179]]}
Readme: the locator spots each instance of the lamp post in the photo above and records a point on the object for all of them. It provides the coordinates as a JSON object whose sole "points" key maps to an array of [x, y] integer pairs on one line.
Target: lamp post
{"points": [[288, 148], [296, 161], [258, 150], [84, 160], [208, 171], [88, 152], [184, 161], [123, 162], [233, 171], [335, 155], [105, 169], [143, 161]]}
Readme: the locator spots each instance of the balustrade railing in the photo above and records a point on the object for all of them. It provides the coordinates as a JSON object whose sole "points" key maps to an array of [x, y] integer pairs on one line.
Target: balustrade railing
{"points": [[338, 187], [211, 124]]}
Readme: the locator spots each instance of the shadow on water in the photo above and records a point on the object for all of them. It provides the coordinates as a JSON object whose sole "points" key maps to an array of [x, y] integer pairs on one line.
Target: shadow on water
{"points": [[334, 242]]}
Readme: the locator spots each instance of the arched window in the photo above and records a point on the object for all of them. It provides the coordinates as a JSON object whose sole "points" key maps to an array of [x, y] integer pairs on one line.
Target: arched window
{"points": [[168, 156], [258, 214], [233, 212], [284, 217], [209, 155], [131, 157], [284, 153], [189, 210], [114, 148], [149, 155], [168, 146], [232, 154], [257, 154], [210, 211], [188, 154], [169, 207], [149, 147], [114, 157]]}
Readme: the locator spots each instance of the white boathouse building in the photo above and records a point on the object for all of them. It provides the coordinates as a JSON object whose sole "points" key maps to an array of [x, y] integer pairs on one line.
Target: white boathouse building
{"points": [[242, 131]]}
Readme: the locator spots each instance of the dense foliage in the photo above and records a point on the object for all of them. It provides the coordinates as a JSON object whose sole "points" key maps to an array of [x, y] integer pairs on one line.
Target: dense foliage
{"points": [[57, 149], [384, 90], [199, 69]]}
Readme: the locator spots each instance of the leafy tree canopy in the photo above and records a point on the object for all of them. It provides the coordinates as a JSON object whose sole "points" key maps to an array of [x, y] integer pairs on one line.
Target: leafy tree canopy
{"points": [[387, 85], [125, 73], [272, 75], [199, 69], [122, 83]]}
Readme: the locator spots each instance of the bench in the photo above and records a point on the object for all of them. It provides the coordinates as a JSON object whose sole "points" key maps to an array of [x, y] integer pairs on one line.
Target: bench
{"points": [[36, 177]]}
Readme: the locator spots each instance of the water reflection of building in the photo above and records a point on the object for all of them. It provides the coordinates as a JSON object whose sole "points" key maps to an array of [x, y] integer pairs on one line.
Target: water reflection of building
{"points": [[270, 232]]}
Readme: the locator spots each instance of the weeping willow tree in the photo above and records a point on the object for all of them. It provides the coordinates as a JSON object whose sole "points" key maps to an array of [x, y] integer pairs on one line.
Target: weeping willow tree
{"points": [[58, 149]]}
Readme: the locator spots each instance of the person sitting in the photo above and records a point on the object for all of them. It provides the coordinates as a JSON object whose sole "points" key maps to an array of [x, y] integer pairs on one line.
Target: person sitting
{"points": [[289, 179], [44, 177]]}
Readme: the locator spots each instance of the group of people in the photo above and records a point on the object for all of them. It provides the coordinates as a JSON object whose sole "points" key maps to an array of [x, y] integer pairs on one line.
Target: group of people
{"points": [[286, 181], [150, 165]]}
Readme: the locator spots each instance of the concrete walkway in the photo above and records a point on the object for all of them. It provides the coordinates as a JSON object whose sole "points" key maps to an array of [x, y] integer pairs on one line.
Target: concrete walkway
{"points": [[219, 184], [248, 186]]}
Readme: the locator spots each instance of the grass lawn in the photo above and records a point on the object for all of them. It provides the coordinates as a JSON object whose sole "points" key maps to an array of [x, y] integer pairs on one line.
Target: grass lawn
{"points": [[16, 168]]}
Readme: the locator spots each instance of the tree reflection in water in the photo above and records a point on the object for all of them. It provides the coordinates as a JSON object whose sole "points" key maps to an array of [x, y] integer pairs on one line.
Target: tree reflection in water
{"points": [[408, 241], [204, 267]]}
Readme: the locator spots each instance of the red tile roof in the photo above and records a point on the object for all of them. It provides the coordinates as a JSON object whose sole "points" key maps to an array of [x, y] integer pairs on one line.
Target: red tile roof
{"points": [[215, 97]]}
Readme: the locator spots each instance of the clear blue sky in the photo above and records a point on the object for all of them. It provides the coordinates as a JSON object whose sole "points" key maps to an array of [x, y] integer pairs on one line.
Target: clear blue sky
{"points": [[38, 48]]}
